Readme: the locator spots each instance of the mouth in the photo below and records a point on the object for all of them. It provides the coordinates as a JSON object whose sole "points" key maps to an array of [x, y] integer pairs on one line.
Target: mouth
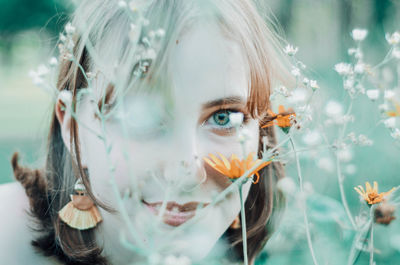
{"points": [[175, 214]]}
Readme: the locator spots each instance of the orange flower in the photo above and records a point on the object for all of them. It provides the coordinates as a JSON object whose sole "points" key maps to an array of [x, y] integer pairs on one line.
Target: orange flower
{"points": [[235, 168], [283, 119], [371, 195], [394, 113]]}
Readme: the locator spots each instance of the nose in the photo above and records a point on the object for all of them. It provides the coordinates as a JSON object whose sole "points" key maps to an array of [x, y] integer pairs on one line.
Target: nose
{"points": [[183, 167]]}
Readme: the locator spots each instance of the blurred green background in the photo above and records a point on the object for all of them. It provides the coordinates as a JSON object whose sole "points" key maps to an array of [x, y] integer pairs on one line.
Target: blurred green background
{"points": [[321, 30]]}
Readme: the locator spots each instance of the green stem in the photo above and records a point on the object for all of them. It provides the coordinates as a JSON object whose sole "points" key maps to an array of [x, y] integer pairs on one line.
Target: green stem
{"points": [[371, 240], [304, 206], [243, 220], [339, 171], [361, 235]]}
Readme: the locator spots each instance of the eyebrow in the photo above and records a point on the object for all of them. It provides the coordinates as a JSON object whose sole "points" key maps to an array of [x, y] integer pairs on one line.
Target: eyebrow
{"points": [[223, 101]]}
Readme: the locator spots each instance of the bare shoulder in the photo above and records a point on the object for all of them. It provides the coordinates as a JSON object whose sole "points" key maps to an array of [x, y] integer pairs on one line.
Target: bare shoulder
{"points": [[15, 228]]}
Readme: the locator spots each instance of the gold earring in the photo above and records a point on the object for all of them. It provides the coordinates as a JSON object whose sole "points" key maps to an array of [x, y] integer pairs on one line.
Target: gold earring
{"points": [[236, 223], [80, 213]]}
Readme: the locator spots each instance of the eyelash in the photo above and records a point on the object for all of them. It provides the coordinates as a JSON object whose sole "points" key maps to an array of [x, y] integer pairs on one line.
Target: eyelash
{"points": [[225, 130]]}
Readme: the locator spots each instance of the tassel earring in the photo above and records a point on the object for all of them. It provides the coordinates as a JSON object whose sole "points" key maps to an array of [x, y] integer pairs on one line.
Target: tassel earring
{"points": [[80, 213], [236, 223]]}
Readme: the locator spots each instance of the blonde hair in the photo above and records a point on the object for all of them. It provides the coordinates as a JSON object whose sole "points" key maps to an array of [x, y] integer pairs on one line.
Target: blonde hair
{"points": [[102, 41]]}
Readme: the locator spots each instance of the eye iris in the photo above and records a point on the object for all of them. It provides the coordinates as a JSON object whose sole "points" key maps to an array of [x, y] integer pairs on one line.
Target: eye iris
{"points": [[221, 118]]}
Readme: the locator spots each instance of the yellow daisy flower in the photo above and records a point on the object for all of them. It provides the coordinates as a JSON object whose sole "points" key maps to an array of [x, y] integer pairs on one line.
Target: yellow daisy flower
{"points": [[371, 195], [235, 168], [283, 119]]}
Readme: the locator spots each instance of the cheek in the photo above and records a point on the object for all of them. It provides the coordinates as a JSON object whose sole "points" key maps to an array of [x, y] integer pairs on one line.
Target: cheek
{"points": [[228, 145]]}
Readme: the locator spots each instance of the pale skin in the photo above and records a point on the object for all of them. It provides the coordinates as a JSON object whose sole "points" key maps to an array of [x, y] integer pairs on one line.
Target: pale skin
{"points": [[207, 67]]}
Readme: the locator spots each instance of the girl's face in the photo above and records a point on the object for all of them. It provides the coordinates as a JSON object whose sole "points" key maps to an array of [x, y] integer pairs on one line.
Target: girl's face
{"points": [[160, 148]]}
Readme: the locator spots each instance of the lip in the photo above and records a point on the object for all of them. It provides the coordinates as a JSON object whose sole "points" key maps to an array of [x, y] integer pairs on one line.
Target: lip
{"points": [[175, 214]]}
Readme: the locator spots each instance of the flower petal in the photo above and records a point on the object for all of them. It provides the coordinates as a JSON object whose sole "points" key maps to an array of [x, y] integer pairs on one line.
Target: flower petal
{"points": [[225, 161], [368, 187], [359, 191], [361, 188]]}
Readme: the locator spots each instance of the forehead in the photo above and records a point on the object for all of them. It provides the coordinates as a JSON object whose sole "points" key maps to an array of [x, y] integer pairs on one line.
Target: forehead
{"points": [[206, 65]]}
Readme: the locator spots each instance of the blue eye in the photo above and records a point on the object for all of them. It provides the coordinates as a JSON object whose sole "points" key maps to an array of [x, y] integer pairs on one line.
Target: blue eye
{"points": [[220, 121], [221, 117]]}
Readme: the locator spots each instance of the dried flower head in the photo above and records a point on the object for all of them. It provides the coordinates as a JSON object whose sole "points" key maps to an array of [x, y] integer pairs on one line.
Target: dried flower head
{"points": [[235, 168], [371, 195], [384, 213]]}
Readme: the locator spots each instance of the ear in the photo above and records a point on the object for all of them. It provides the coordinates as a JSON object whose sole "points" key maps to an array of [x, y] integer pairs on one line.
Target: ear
{"points": [[63, 114]]}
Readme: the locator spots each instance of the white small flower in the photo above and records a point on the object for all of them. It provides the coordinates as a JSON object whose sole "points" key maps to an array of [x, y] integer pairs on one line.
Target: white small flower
{"points": [[122, 4], [63, 38], [390, 122], [53, 61], [236, 118], [160, 33], [364, 140], [298, 95], [145, 22], [42, 70], [306, 81], [36, 79], [359, 34], [326, 164], [301, 65], [283, 91], [360, 88], [133, 6], [352, 51], [359, 68], [345, 119], [352, 137], [350, 169], [343, 68], [389, 94], [333, 108], [244, 135], [151, 34], [287, 185], [134, 33], [395, 134], [396, 53], [314, 84], [38, 75], [290, 50], [345, 155], [383, 107], [387, 74], [394, 38], [69, 29], [151, 54], [348, 83], [295, 72], [356, 52], [373, 94], [312, 138]]}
